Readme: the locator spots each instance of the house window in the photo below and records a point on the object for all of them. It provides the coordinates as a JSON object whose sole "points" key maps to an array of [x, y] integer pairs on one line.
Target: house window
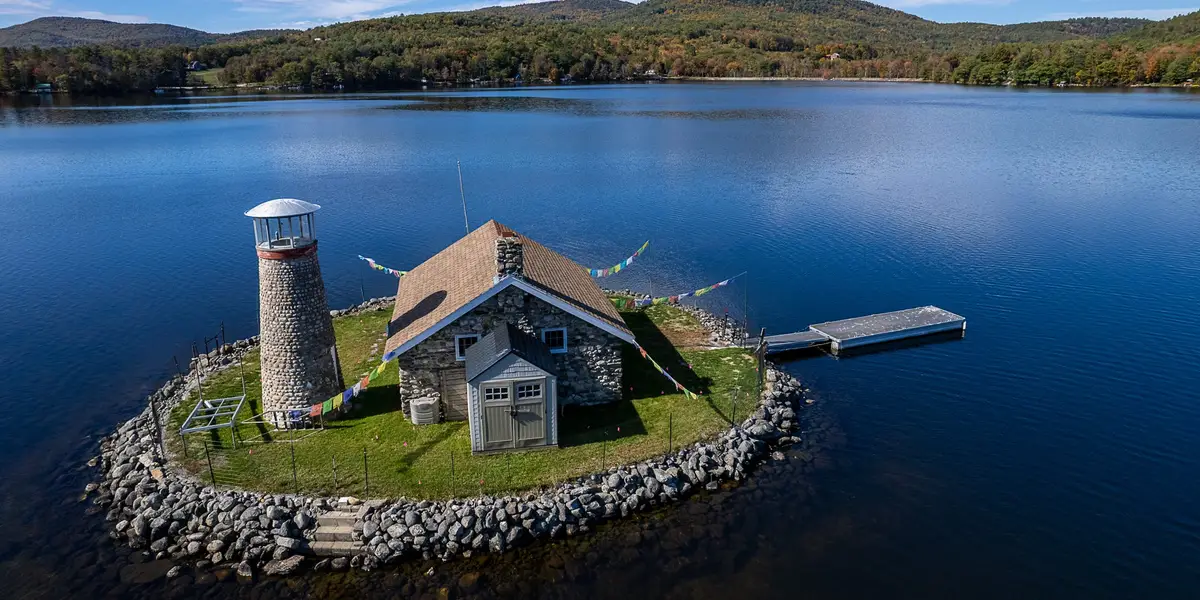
{"points": [[497, 394], [462, 342], [529, 390], [555, 339]]}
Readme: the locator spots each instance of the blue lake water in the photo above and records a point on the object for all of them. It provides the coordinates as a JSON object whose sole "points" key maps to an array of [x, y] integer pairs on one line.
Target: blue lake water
{"points": [[1053, 452]]}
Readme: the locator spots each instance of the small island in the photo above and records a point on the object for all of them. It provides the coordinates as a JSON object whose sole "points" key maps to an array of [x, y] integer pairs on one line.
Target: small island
{"points": [[500, 397]]}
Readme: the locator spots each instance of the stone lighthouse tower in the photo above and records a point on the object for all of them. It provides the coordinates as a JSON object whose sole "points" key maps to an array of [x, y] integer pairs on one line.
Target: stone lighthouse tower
{"points": [[299, 356]]}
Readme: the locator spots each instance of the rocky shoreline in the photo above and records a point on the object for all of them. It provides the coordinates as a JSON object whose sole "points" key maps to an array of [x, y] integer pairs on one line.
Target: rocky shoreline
{"points": [[171, 517]]}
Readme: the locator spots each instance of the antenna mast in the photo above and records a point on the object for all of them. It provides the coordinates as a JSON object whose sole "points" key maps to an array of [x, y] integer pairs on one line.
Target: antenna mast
{"points": [[466, 225]]}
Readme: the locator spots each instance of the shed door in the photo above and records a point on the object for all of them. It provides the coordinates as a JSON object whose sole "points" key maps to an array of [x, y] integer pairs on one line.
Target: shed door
{"points": [[454, 393], [497, 415], [529, 416]]}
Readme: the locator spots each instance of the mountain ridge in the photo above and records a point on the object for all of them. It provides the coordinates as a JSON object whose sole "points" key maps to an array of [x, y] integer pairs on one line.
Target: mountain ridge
{"points": [[72, 32]]}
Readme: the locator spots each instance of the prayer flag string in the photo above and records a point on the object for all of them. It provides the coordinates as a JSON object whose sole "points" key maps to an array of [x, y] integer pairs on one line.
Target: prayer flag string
{"points": [[626, 303], [690, 395], [617, 268], [379, 267]]}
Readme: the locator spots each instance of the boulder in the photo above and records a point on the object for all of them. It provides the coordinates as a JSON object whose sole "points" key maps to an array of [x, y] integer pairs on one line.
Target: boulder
{"points": [[286, 566]]}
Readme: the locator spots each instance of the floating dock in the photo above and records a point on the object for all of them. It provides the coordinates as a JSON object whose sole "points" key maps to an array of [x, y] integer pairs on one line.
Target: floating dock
{"points": [[868, 330]]}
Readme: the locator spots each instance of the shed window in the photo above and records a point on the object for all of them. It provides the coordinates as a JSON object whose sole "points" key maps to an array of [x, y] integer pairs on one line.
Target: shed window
{"points": [[462, 342], [555, 339], [495, 393], [529, 390]]}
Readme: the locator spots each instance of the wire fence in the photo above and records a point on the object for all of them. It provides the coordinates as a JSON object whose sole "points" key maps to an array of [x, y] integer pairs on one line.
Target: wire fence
{"points": [[311, 465]]}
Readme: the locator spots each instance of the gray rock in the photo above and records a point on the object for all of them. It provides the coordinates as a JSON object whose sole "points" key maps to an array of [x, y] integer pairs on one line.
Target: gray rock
{"points": [[245, 570], [369, 529], [303, 520], [397, 531], [215, 546], [293, 544], [140, 527], [193, 548], [286, 566]]}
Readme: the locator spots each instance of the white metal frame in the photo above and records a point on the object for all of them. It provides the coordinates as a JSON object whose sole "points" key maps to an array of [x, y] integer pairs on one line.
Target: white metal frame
{"points": [[220, 413]]}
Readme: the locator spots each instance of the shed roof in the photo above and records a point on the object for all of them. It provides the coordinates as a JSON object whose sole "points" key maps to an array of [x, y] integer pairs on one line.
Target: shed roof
{"points": [[504, 341], [431, 294], [282, 207]]}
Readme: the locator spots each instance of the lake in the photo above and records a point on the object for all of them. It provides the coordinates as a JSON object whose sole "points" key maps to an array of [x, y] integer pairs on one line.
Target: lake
{"points": [[1052, 452]]}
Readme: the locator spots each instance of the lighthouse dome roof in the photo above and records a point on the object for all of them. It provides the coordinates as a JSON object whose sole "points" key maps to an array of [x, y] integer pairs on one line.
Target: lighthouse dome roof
{"points": [[282, 207]]}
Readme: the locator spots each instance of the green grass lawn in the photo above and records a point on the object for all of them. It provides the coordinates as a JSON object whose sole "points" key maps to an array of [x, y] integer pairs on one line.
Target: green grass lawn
{"points": [[435, 461], [210, 76]]}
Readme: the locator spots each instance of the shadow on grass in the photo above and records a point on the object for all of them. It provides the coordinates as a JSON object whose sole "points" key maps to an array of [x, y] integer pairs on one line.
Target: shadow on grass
{"points": [[580, 425], [641, 379], [413, 455], [372, 402]]}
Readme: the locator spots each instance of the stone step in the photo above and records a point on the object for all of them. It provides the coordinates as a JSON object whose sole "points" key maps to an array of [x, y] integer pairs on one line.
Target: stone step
{"points": [[337, 519], [335, 548], [332, 533]]}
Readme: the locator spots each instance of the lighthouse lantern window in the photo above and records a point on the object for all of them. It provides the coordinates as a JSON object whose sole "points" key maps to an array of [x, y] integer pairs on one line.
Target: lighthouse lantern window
{"points": [[284, 224]]}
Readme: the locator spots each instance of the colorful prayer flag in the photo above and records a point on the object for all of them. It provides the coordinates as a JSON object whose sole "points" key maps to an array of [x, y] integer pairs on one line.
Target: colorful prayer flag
{"points": [[316, 411], [619, 266], [327, 406], [378, 267]]}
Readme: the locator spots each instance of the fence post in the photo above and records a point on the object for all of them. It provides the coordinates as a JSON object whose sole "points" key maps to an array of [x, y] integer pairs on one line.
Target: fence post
{"points": [[183, 442], [295, 480], [335, 485], [158, 432], [210, 469], [453, 486], [366, 476]]}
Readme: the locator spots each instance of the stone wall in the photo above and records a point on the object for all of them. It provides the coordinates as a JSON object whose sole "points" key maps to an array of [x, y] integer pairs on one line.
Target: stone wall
{"points": [[297, 333], [588, 373]]}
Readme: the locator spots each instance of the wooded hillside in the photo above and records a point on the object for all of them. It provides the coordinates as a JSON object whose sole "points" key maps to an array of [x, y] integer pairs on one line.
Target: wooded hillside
{"points": [[610, 40]]}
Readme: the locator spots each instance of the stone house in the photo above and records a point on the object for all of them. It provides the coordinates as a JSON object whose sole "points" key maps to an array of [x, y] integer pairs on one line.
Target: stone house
{"points": [[497, 281]]}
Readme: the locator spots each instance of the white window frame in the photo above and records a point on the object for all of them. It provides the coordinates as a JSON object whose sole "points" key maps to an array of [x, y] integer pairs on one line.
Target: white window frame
{"points": [[458, 355], [537, 386], [565, 345]]}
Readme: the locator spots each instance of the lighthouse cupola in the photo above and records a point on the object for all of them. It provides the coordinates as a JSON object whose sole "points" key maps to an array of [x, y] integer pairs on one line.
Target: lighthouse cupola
{"points": [[284, 224]]}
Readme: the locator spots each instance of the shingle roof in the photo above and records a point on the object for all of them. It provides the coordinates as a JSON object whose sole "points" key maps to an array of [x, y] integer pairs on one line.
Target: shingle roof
{"points": [[500, 343], [452, 278]]}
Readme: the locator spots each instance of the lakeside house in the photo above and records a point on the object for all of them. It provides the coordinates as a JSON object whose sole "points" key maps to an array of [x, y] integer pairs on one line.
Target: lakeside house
{"points": [[502, 332]]}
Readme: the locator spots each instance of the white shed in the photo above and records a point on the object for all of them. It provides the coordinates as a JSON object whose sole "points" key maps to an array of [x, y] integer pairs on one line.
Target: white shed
{"points": [[512, 392]]}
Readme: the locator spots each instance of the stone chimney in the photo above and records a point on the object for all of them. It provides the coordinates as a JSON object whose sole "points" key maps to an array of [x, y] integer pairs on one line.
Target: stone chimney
{"points": [[510, 256]]}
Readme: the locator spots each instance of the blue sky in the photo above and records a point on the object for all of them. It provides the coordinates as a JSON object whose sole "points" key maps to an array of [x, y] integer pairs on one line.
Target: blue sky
{"points": [[237, 15]]}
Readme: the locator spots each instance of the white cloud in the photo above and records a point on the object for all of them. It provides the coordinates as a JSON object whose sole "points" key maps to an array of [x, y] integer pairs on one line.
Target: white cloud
{"points": [[318, 10], [919, 3], [32, 9], [1154, 14], [95, 14]]}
